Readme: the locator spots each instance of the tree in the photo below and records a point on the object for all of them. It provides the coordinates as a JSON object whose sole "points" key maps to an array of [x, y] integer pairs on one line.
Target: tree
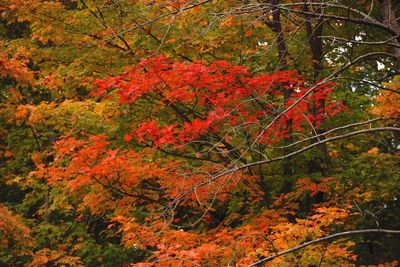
{"points": [[199, 132]]}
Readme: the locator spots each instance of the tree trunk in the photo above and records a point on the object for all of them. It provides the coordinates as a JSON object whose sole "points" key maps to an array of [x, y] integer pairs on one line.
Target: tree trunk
{"points": [[390, 21], [316, 46]]}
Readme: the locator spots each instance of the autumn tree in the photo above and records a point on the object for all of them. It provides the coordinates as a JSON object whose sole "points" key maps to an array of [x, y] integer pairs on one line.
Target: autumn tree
{"points": [[167, 133]]}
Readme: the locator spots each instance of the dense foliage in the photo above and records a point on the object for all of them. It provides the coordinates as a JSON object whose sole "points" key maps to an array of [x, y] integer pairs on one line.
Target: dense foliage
{"points": [[199, 133]]}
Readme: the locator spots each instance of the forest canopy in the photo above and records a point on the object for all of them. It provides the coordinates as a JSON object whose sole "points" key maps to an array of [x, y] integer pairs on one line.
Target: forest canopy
{"points": [[199, 133]]}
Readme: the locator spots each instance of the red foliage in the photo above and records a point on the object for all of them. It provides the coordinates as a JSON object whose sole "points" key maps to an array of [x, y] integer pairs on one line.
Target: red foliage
{"points": [[209, 99]]}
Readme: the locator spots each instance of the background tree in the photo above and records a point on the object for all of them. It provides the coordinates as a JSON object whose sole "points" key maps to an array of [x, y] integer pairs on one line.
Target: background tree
{"points": [[260, 119]]}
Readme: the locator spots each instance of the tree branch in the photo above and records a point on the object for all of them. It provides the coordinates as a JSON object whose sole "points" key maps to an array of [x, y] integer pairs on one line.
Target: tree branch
{"points": [[322, 239]]}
